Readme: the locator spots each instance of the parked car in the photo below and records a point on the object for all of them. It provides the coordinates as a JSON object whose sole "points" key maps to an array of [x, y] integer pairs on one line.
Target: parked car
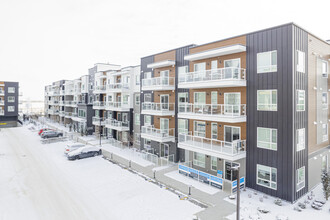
{"points": [[84, 152], [72, 147], [51, 134], [44, 129]]}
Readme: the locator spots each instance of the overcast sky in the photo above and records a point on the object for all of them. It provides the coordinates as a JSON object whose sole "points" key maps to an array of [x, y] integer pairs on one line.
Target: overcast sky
{"points": [[42, 41]]}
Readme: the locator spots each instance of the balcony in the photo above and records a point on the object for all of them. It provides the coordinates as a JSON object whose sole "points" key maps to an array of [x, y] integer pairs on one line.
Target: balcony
{"points": [[117, 106], [98, 121], [2, 102], [100, 89], [62, 113], [98, 105], [50, 111], [118, 87], [68, 114], [69, 92], [2, 112], [70, 103], [2, 92], [226, 150], [56, 93], [223, 77], [161, 109], [117, 125], [213, 112], [77, 91], [159, 135], [61, 103], [158, 83]]}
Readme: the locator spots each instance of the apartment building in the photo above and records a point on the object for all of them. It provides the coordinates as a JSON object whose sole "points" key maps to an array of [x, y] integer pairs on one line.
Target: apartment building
{"points": [[8, 104], [52, 101]]}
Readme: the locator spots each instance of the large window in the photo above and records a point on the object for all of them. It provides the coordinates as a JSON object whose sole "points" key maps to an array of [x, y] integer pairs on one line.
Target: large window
{"points": [[324, 100], [11, 89], [267, 138], [267, 62], [214, 131], [324, 69], [300, 100], [11, 98], [267, 100], [147, 119], [199, 97], [267, 176], [300, 61], [214, 163], [199, 159], [11, 108], [324, 132], [137, 119], [300, 181], [300, 139], [199, 128]]}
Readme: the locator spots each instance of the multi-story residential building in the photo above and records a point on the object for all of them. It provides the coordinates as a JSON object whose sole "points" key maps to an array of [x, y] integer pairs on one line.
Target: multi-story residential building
{"points": [[8, 104], [52, 101]]}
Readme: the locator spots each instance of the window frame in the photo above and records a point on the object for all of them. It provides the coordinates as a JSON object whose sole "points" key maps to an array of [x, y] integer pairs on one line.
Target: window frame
{"points": [[272, 67], [12, 107], [301, 67], [326, 71], [301, 181], [325, 136], [137, 119], [325, 105], [197, 162], [214, 159], [300, 146], [270, 180], [11, 99], [11, 88], [214, 124], [271, 143], [137, 99], [271, 98], [297, 100]]}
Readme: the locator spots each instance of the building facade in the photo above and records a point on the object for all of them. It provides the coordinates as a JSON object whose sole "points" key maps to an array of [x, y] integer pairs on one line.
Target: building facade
{"points": [[9, 93]]}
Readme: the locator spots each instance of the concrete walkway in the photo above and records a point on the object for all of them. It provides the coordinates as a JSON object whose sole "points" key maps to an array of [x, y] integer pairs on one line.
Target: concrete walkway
{"points": [[216, 209]]}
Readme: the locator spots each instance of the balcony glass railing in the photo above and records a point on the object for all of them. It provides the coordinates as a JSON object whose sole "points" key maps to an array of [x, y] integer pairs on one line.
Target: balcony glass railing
{"points": [[98, 104], [158, 81], [212, 109], [98, 120], [100, 88], [229, 148], [118, 86], [159, 107], [117, 105], [115, 123], [229, 73], [161, 133]]}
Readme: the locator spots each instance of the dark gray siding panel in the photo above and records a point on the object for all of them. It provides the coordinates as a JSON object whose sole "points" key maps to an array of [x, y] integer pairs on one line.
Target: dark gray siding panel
{"points": [[15, 94], [279, 39]]}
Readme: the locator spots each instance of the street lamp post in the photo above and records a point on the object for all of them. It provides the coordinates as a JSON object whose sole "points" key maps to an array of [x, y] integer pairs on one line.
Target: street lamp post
{"points": [[236, 168]]}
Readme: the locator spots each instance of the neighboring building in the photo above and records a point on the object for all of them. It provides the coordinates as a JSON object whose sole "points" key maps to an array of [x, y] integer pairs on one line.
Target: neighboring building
{"points": [[9, 104]]}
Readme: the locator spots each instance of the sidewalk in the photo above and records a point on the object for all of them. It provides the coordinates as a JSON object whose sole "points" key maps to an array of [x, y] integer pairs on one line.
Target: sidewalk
{"points": [[217, 207]]}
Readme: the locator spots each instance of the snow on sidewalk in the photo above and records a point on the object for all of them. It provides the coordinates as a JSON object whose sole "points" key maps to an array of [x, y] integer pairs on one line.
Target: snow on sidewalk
{"points": [[189, 181]]}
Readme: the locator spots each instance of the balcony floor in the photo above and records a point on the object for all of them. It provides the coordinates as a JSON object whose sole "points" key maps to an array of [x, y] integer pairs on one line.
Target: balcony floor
{"points": [[117, 128]]}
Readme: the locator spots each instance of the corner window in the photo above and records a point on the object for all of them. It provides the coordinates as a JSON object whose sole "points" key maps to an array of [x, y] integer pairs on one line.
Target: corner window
{"points": [[267, 138], [137, 119], [11, 108], [11, 98], [324, 100], [11, 89], [324, 69], [324, 132], [300, 180], [300, 135], [300, 100], [214, 166], [199, 159], [267, 176], [267, 100], [267, 62], [300, 61]]}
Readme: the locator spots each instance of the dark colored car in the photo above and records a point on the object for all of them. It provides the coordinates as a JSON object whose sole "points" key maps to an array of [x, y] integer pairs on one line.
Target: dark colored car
{"points": [[51, 134], [84, 152]]}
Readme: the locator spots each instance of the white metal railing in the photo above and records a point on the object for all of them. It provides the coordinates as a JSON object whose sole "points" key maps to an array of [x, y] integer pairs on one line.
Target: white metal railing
{"points": [[117, 105], [68, 114], [74, 114], [158, 81], [98, 120], [118, 86], [98, 104], [228, 73], [229, 148], [212, 109], [153, 106], [162, 133], [2, 112], [70, 103], [99, 89], [117, 143], [116, 123]]}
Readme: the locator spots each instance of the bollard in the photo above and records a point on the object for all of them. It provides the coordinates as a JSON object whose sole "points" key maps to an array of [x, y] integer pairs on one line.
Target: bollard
{"points": [[189, 190]]}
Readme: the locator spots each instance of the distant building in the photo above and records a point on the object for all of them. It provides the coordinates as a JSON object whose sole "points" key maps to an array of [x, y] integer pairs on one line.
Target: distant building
{"points": [[8, 104]]}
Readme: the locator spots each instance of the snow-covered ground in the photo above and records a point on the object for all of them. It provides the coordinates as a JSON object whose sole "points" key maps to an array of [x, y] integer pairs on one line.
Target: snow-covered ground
{"points": [[38, 182], [249, 207]]}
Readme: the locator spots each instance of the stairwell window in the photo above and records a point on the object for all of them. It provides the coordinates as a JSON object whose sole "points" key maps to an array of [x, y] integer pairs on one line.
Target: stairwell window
{"points": [[11, 89], [300, 180], [267, 176], [324, 69], [300, 100], [11, 98], [300, 61], [324, 100], [300, 135], [267, 100], [267, 138], [267, 62], [324, 132], [11, 108]]}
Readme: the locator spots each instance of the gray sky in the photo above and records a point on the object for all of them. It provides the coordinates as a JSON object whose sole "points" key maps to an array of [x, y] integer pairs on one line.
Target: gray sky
{"points": [[42, 41]]}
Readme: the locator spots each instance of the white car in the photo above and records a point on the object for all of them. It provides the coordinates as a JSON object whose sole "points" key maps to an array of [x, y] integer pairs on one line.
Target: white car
{"points": [[84, 152], [72, 147]]}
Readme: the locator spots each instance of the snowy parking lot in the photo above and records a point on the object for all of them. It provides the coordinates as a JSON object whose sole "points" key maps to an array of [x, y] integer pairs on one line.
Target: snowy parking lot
{"points": [[38, 182]]}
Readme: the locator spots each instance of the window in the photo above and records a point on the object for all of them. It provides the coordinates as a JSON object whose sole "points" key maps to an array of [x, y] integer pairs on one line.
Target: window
{"points": [[147, 119], [300, 61], [137, 80], [214, 163], [11, 98], [324, 69], [199, 67], [199, 128], [199, 97], [267, 62], [81, 113], [147, 75], [199, 159], [325, 163], [300, 178], [229, 173], [183, 97], [137, 119], [110, 98], [214, 97], [324, 100], [300, 137], [182, 70], [147, 143], [183, 126], [97, 113], [11, 89], [267, 138], [324, 132], [267, 176], [300, 100], [125, 99], [214, 131], [11, 108], [137, 99], [147, 97], [267, 100]]}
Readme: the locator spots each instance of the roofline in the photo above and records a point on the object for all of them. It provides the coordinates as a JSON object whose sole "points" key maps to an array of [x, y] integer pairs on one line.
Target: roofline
{"points": [[189, 45], [107, 64], [325, 41]]}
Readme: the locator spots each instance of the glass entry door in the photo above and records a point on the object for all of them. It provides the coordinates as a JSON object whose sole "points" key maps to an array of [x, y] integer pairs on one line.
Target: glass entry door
{"points": [[199, 69], [164, 102], [232, 134], [164, 75], [232, 103], [164, 150], [164, 125]]}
